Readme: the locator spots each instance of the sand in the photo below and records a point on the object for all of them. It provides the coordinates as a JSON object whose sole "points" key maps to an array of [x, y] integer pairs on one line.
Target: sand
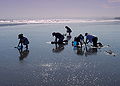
{"points": [[42, 65]]}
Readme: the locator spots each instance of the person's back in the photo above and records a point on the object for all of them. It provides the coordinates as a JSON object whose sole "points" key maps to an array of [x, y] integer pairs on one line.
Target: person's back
{"points": [[58, 35], [25, 41], [90, 37]]}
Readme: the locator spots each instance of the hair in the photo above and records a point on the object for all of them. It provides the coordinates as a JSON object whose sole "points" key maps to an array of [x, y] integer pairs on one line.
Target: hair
{"points": [[86, 34], [53, 33], [80, 35], [75, 38], [66, 27], [20, 36]]}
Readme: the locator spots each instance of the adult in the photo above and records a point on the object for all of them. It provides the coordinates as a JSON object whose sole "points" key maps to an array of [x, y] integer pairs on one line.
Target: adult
{"points": [[58, 37], [92, 39], [79, 39], [68, 30], [23, 41]]}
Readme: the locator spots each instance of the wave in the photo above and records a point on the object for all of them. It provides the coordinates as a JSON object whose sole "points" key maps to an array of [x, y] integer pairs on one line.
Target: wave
{"points": [[49, 21]]}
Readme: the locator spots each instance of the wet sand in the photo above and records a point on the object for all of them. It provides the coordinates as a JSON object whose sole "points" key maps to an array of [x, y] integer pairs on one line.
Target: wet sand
{"points": [[42, 65]]}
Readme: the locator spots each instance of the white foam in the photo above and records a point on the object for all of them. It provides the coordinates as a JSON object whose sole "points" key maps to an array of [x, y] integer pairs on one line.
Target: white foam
{"points": [[48, 42], [44, 21]]}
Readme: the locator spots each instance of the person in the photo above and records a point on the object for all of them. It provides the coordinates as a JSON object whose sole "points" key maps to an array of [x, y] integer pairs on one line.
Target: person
{"points": [[81, 39], [58, 37], [23, 41], [91, 39], [68, 30], [78, 39]]}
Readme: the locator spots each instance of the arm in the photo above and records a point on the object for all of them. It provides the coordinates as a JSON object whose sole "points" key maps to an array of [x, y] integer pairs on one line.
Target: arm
{"points": [[19, 43]]}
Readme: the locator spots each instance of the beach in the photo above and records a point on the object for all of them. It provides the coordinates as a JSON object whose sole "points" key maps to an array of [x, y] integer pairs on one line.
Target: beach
{"points": [[42, 66]]}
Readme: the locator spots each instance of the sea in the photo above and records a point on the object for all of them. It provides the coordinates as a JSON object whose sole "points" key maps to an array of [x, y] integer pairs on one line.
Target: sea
{"points": [[46, 64]]}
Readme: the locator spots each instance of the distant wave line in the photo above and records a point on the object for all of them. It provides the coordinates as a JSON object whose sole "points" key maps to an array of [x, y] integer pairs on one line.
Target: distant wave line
{"points": [[42, 21]]}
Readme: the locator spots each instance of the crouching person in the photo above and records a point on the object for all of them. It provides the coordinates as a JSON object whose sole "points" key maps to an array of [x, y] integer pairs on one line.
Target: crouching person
{"points": [[23, 41], [78, 40], [58, 37], [91, 39]]}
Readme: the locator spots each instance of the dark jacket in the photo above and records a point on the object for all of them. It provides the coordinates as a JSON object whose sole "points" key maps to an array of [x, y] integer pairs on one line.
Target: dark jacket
{"points": [[58, 36]]}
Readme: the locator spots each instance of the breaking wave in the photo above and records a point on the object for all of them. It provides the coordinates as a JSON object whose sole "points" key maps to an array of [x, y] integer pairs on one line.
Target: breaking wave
{"points": [[50, 21]]}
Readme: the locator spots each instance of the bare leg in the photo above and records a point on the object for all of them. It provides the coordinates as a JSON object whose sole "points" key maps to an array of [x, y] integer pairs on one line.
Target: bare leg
{"points": [[26, 47]]}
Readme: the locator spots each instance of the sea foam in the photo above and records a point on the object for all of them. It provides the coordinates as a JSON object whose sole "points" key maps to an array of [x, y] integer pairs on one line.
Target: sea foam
{"points": [[49, 21]]}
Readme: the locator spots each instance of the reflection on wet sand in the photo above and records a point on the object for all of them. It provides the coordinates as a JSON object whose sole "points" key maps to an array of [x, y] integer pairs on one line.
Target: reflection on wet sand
{"points": [[90, 51], [23, 54], [85, 51], [80, 51], [58, 48]]}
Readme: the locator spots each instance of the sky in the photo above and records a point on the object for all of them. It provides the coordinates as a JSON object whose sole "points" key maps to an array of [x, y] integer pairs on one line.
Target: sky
{"points": [[59, 8]]}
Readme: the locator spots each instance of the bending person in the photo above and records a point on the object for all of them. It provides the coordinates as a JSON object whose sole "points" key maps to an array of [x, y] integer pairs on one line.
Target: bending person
{"points": [[79, 39], [68, 29], [91, 39], [58, 37], [23, 41]]}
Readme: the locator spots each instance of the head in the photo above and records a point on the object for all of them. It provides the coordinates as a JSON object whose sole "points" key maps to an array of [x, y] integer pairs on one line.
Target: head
{"points": [[53, 34], [66, 27], [20, 36], [75, 38], [86, 34], [80, 35]]}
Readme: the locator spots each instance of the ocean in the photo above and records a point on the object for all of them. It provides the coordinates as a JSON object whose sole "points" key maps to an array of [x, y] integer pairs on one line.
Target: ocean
{"points": [[46, 64]]}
